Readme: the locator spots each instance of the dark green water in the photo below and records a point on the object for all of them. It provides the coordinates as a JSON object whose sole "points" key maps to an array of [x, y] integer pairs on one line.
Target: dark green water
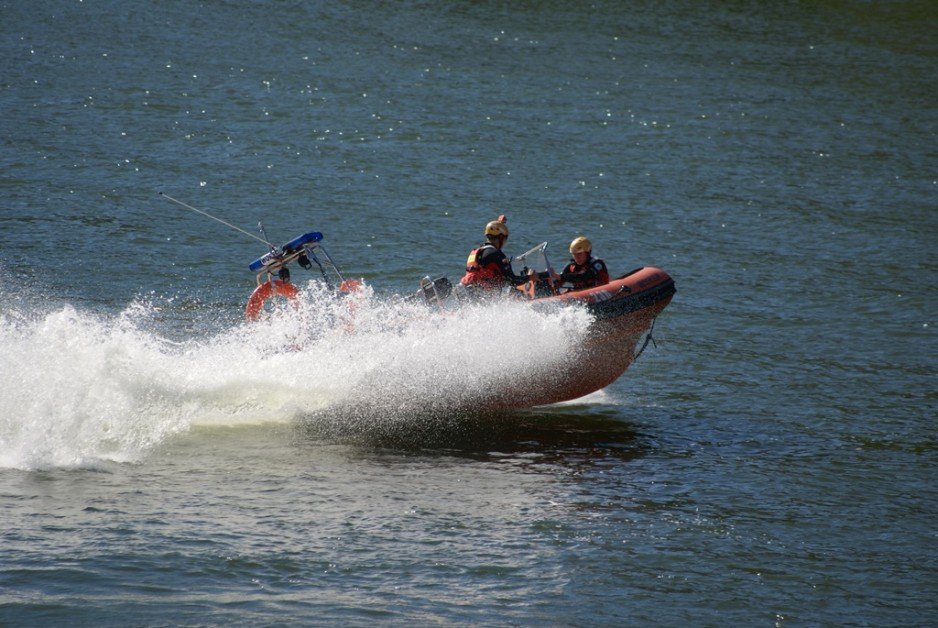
{"points": [[772, 460]]}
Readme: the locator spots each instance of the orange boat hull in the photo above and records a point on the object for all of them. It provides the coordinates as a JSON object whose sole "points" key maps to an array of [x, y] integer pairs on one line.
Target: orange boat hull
{"points": [[623, 310]]}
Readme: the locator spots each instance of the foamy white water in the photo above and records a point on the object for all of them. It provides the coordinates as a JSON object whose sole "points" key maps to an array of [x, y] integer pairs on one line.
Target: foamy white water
{"points": [[82, 387]]}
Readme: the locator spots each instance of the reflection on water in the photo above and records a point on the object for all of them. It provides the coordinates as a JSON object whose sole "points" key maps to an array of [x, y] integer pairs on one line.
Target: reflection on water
{"points": [[543, 436]]}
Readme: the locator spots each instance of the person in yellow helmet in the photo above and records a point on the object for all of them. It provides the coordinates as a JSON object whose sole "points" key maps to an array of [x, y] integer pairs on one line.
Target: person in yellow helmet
{"points": [[488, 268], [584, 271]]}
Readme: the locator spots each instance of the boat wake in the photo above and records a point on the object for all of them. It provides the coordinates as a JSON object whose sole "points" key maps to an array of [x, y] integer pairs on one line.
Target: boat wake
{"points": [[80, 388]]}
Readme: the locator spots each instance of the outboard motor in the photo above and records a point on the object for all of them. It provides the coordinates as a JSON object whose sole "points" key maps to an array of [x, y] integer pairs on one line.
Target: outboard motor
{"points": [[434, 291]]}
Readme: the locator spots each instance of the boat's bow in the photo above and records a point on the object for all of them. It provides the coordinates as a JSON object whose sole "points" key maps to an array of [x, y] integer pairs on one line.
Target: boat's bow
{"points": [[623, 312]]}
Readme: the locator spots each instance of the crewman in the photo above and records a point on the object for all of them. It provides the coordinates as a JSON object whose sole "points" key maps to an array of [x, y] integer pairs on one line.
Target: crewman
{"points": [[488, 269], [584, 270]]}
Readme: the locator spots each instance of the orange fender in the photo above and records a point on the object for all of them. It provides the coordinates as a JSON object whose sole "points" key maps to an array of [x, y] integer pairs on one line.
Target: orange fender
{"points": [[265, 291]]}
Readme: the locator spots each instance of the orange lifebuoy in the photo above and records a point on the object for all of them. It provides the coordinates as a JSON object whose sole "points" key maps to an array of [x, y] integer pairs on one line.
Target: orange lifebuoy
{"points": [[263, 292], [350, 285]]}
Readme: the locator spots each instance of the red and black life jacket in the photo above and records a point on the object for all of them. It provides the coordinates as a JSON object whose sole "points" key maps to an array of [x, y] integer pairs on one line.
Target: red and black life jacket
{"points": [[592, 273], [486, 275]]}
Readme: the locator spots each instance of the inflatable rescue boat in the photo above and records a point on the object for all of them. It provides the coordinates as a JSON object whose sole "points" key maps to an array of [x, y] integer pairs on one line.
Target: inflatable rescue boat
{"points": [[623, 315]]}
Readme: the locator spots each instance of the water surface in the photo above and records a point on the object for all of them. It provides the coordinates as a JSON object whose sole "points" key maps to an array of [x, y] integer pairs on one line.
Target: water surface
{"points": [[771, 460]]}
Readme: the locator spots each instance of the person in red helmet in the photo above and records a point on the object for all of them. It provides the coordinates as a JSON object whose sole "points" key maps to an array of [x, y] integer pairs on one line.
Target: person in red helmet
{"points": [[488, 269], [584, 271]]}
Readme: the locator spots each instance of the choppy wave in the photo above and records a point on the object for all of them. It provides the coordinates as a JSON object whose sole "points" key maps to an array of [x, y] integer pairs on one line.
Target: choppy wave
{"points": [[83, 387]]}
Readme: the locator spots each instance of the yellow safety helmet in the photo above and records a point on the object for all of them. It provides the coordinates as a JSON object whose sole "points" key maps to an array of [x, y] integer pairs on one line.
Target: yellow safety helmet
{"points": [[497, 228], [581, 245]]}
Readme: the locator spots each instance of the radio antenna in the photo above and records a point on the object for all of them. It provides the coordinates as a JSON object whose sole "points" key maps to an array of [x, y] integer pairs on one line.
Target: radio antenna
{"points": [[227, 224]]}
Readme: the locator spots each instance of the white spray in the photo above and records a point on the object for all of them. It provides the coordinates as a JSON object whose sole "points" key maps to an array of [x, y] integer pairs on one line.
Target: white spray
{"points": [[77, 388]]}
